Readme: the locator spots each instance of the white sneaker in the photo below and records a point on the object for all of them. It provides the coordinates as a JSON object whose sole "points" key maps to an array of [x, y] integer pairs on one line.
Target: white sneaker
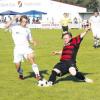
{"points": [[88, 80], [50, 83], [44, 83]]}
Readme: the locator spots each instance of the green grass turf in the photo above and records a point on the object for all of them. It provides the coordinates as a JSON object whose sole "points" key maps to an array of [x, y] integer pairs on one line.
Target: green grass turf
{"points": [[67, 88]]}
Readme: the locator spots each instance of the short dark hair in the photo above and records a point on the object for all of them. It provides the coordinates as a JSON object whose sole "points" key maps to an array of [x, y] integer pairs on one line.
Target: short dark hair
{"points": [[23, 16], [95, 10], [67, 33]]}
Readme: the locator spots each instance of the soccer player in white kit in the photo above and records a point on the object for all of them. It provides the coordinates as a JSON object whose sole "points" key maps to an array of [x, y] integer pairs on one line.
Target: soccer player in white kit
{"points": [[21, 35], [95, 27]]}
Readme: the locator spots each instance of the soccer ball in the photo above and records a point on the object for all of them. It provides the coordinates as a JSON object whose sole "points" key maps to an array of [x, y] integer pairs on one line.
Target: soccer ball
{"points": [[42, 82]]}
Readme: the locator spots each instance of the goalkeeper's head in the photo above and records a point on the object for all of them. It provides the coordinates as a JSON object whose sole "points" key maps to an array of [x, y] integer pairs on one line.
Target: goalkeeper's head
{"points": [[67, 37], [67, 33]]}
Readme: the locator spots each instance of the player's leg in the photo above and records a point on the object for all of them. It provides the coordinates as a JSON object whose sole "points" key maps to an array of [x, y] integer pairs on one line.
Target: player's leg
{"points": [[19, 70], [17, 60], [97, 45], [98, 38], [65, 29], [95, 37], [55, 72], [94, 41], [99, 42], [31, 58], [59, 69], [74, 72]]}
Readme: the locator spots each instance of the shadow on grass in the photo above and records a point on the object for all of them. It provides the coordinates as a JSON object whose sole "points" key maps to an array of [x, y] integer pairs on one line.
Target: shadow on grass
{"points": [[71, 78], [31, 74]]}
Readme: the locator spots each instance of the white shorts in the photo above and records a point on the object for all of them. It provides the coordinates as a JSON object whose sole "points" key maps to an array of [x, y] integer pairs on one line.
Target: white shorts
{"points": [[20, 53], [96, 32]]}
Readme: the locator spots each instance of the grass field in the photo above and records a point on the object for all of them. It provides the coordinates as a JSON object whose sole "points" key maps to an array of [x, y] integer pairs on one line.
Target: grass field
{"points": [[67, 88]]}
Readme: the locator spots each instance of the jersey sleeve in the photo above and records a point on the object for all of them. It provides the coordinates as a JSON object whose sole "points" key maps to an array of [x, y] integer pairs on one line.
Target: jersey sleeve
{"points": [[29, 35], [77, 40]]}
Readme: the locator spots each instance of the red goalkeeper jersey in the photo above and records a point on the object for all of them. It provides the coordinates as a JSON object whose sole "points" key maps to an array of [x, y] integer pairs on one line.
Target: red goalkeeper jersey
{"points": [[69, 52]]}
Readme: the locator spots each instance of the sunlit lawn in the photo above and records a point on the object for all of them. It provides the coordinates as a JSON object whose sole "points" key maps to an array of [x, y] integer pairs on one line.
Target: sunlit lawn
{"points": [[67, 88]]}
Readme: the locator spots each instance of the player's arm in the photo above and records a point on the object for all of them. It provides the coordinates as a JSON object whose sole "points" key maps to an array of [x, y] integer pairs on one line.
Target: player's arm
{"points": [[33, 42], [57, 52], [9, 23], [85, 32]]}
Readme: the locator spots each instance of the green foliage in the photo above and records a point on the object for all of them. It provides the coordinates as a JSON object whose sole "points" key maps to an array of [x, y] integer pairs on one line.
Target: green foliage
{"points": [[89, 4], [79, 1], [93, 4], [67, 88]]}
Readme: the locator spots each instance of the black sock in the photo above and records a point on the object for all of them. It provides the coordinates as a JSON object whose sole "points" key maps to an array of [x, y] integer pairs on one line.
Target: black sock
{"points": [[53, 76], [20, 71], [80, 76]]}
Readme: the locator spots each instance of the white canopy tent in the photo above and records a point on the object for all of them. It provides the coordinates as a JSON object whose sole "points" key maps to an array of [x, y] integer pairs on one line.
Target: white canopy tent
{"points": [[53, 9]]}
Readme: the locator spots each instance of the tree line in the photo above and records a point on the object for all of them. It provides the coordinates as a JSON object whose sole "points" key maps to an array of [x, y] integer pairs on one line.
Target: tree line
{"points": [[91, 5]]}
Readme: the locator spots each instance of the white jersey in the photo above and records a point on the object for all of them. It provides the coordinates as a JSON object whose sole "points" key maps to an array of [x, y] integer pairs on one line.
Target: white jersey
{"points": [[21, 36], [95, 21], [95, 25]]}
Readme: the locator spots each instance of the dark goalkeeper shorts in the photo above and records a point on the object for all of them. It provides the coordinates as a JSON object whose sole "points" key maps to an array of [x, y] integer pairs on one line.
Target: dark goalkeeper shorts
{"points": [[64, 66]]}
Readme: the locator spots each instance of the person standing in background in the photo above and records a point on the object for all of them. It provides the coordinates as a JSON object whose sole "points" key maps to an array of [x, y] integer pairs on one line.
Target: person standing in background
{"points": [[64, 22], [95, 27]]}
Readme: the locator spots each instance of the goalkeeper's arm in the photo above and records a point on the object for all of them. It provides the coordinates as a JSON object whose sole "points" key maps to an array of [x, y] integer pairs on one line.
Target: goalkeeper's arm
{"points": [[85, 32], [57, 52]]}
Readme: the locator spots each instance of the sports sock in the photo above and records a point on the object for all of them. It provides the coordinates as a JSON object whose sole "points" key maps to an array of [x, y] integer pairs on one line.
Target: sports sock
{"points": [[35, 69], [52, 77], [97, 41], [80, 76], [20, 71]]}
